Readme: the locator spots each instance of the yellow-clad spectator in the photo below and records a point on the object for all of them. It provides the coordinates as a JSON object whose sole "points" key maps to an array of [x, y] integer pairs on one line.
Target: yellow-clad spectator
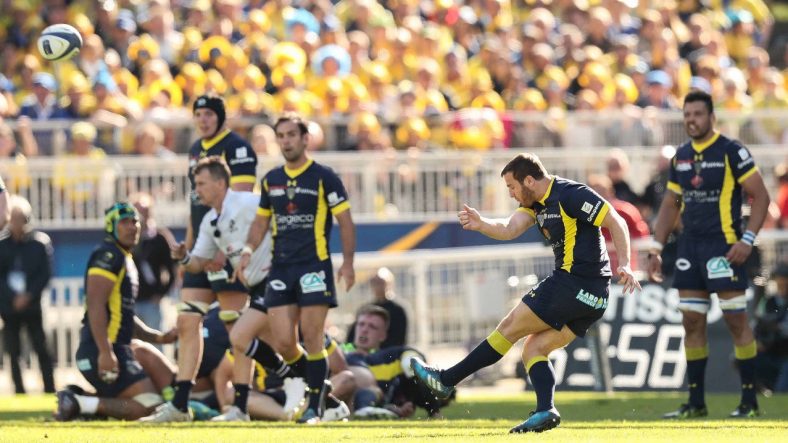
{"points": [[13, 158], [456, 81], [735, 96], [83, 174], [365, 134], [413, 132], [757, 65], [477, 129], [774, 97]]}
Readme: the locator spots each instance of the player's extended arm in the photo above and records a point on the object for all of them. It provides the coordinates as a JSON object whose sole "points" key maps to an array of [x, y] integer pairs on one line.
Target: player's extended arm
{"points": [[150, 335], [666, 220], [189, 240], [193, 264], [620, 233], [755, 188], [347, 233], [242, 187], [257, 230], [96, 296], [498, 228]]}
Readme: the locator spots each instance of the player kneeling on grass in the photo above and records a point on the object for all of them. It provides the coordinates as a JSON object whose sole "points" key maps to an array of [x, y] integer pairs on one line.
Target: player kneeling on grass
{"points": [[104, 356], [386, 386]]}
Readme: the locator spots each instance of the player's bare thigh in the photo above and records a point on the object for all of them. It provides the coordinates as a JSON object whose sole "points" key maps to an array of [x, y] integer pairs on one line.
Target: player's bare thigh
{"points": [[544, 342], [519, 322]]}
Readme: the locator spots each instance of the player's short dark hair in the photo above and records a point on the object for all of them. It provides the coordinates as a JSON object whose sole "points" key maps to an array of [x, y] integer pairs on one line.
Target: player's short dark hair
{"points": [[295, 118], [375, 310], [523, 165], [700, 96], [216, 166]]}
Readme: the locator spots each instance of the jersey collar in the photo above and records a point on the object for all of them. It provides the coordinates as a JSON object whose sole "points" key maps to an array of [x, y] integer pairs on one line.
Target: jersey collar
{"points": [[211, 142], [293, 173], [700, 147], [547, 193]]}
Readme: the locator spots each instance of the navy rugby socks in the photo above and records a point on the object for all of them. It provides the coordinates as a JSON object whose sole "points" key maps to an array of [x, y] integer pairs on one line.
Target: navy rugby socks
{"points": [[745, 357], [316, 373], [241, 396], [543, 380], [264, 354], [486, 353], [181, 398], [696, 374]]}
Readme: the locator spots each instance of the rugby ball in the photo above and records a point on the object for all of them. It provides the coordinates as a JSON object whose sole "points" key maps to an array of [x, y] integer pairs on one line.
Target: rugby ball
{"points": [[59, 42]]}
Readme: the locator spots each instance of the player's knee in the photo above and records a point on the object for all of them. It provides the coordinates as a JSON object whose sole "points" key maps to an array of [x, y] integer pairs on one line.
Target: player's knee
{"points": [[283, 342], [240, 339]]}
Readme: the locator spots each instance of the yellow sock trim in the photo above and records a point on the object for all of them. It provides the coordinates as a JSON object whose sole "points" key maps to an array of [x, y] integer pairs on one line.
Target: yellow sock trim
{"points": [[317, 356], [499, 342], [746, 352], [297, 357], [697, 353], [533, 361]]}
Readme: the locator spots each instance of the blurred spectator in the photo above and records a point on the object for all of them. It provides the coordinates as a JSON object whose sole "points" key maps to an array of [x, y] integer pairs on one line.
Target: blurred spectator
{"points": [[26, 267], [382, 285], [15, 165], [658, 92], [773, 97], [80, 174], [638, 228], [655, 189], [771, 333], [152, 257], [263, 141], [42, 105], [617, 171], [149, 141], [781, 175], [365, 134]]}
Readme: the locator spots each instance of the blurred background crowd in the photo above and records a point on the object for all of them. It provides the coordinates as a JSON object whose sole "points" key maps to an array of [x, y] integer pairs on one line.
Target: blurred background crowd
{"points": [[386, 73]]}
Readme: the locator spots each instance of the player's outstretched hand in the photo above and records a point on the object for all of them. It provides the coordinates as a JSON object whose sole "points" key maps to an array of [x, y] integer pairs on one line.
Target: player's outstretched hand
{"points": [[347, 273], [169, 337], [178, 251], [627, 279], [470, 219], [655, 268], [217, 264], [738, 253], [238, 274]]}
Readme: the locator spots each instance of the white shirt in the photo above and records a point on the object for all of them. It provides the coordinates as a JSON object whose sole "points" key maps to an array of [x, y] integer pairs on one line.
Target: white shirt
{"points": [[238, 213]]}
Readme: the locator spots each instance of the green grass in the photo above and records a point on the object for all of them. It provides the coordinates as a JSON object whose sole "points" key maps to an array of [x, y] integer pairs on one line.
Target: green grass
{"points": [[588, 417]]}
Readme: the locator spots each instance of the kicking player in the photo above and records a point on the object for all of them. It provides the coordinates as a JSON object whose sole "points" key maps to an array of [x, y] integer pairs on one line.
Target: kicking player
{"points": [[104, 356], [705, 183], [563, 305], [301, 196], [199, 288]]}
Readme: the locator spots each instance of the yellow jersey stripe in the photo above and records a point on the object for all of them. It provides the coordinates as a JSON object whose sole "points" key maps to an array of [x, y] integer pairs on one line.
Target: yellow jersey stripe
{"points": [[340, 208], [674, 187], [243, 179], [528, 211], [747, 175], [387, 371], [700, 147], [208, 144], [104, 273], [321, 218], [601, 215], [726, 200], [547, 193], [264, 212], [570, 236], [114, 304], [533, 361], [293, 173]]}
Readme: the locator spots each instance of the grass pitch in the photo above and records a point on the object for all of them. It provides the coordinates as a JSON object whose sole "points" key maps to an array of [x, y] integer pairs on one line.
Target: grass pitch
{"points": [[587, 417]]}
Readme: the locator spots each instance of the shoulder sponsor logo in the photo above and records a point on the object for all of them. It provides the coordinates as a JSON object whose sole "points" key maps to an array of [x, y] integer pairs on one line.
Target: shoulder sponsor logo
{"points": [[744, 163], [313, 282], [744, 154], [277, 285], [718, 267], [240, 152], [334, 198], [587, 207], [682, 264], [594, 211]]}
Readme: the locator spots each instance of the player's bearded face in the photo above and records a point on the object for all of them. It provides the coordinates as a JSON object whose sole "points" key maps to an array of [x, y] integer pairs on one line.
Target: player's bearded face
{"points": [[291, 141], [698, 121]]}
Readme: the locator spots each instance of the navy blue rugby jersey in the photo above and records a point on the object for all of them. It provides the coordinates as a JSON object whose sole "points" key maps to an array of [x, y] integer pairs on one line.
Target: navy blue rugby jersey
{"points": [[569, 216], [115, 263], [300, 203], [708, 178], [238, 154]]}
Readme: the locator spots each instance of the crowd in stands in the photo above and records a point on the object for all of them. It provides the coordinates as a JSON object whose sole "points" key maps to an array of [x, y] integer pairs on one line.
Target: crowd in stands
{"points": [[390, 70]]}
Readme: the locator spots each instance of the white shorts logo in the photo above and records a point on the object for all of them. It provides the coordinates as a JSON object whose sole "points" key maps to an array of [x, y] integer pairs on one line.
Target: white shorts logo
{"points": [[683, 264], [718, 267], [587, 207], [218, 275], [84, 364], [313, 282], [278, 285]]}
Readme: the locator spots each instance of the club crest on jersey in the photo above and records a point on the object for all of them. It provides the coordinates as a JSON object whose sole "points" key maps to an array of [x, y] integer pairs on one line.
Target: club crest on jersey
{"points": [[291, 208], [718, 267], [697, 181]]}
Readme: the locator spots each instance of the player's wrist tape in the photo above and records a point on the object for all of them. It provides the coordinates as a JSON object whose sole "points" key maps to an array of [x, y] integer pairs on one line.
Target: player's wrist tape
{"points": [[748, 237], [247, 250], [655, 248], [186, 259]]}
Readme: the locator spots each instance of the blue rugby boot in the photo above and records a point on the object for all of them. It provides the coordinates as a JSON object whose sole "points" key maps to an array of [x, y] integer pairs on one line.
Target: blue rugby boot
{"points": [[431, 378], [538, 422]]}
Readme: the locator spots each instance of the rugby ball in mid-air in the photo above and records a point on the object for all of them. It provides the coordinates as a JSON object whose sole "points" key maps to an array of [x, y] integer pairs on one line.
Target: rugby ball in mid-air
{"points": [[59, 42]]}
